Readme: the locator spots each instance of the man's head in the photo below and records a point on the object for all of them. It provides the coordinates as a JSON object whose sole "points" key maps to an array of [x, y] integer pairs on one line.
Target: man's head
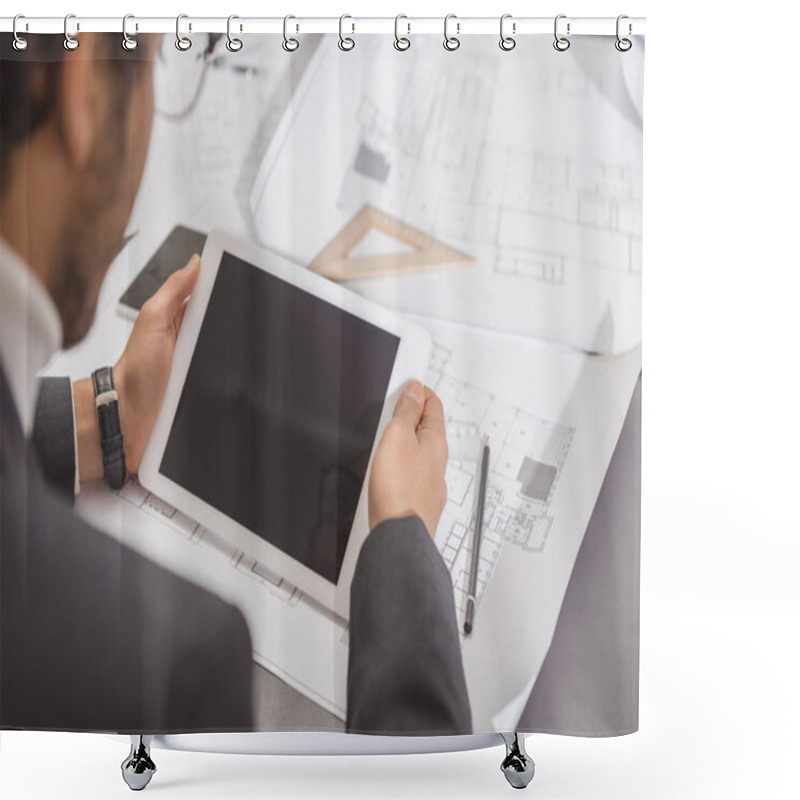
{"points": [[74, 133]]}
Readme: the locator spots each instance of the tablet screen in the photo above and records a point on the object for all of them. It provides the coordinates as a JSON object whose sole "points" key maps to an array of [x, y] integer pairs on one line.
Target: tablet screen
{"points": [[279, 411]]}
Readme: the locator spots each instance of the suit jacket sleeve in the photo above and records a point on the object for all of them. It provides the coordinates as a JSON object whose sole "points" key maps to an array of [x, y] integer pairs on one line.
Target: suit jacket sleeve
{"points": [[54, 434], [405, 673], [95, 637]]}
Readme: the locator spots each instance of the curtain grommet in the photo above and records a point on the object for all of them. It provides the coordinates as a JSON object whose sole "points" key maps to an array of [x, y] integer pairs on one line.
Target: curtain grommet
{"points": [[289, 44], [233, 44], [128, 42], [182, 42], [19, 43], [561, 43], [401, 43], [346, 43], [70, 42], [451, 43], [507, 43], [623, 44]]}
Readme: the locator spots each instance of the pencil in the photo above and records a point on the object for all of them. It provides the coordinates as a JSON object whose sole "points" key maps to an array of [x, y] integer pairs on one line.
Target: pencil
{"points": [[476, 540]]}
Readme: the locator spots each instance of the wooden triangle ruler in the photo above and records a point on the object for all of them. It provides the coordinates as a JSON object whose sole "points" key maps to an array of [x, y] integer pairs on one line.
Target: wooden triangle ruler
{"points": [[336, 263]]}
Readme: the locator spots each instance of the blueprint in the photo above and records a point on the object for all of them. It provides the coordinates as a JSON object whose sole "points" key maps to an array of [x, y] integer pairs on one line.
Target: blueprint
{"points": [[528, 164], [529, 454], [553, 417]]}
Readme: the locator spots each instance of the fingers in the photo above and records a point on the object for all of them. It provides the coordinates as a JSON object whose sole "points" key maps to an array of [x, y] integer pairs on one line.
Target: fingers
{"points": [[421, 410], [431, 430], [432, 422], [168, 300], [409, 407]]}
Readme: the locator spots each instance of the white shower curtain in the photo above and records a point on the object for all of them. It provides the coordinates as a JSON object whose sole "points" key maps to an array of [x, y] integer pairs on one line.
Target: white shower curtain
{"points": [[351, 203]]}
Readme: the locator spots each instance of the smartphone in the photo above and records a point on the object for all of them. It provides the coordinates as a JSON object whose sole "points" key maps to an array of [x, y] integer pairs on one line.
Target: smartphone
{"points": [[172, 254]]}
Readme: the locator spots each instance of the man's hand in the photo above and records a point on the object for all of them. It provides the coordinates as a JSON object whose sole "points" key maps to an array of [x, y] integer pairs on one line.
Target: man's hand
{"points": [[142, 371], [408, 469], [140, 376]]}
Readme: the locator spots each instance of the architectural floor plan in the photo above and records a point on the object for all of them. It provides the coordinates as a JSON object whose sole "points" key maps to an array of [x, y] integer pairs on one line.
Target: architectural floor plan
{"points": [[552, 417], [529, 455], [466, 151]]}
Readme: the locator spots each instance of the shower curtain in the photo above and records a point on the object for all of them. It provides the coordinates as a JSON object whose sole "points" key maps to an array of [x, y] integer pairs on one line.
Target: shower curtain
{"points": [[488, 197]]}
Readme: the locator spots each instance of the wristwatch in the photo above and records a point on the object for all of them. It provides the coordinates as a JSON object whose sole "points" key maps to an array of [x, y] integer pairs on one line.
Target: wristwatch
{"points": [[105, 398]]}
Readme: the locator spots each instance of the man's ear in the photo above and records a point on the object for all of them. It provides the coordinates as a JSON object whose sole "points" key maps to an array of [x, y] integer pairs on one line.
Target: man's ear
{"points": [[80, 107]]}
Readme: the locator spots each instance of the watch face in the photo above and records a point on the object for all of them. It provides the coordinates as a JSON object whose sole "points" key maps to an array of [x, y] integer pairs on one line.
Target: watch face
{"points": [[103, 380]]}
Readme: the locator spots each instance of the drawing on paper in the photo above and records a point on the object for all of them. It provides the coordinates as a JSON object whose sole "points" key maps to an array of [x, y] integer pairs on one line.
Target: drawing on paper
{"points": [[528, 456], [484, 191]]}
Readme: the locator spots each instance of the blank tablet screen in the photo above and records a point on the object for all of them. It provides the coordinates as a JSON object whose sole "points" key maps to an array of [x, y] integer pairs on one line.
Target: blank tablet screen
{"points": [[279, 412]]}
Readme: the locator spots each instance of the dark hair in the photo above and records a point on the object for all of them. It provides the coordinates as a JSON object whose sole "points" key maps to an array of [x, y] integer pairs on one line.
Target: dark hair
{"points": [[24, 105]]}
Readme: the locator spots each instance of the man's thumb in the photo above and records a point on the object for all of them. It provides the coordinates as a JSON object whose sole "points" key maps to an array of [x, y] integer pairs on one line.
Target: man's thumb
{"points": [[178, 287], [409, 406]]}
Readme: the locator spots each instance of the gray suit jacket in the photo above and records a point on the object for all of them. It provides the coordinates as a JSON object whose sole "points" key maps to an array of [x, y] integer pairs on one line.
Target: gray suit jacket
{"points": [[95, 637]]}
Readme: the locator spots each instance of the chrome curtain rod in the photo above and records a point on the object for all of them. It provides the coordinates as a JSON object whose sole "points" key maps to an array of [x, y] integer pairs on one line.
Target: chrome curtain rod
{"points": [[461, 26]]}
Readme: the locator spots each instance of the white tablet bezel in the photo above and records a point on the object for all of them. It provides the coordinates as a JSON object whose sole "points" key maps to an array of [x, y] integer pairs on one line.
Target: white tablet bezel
{"points": [[410, 362]]}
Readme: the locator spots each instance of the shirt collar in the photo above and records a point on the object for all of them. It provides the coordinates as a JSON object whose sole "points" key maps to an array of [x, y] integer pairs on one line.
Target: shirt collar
{"points": [[30, 331]]}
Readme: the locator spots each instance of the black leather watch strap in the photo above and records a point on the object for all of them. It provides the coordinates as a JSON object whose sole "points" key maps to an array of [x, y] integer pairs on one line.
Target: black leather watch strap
{"points": [[105, 395]]}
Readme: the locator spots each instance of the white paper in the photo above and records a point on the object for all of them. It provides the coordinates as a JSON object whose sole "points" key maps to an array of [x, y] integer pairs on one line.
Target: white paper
{"points": [[555, 407], [547, 407], [531, 163]]}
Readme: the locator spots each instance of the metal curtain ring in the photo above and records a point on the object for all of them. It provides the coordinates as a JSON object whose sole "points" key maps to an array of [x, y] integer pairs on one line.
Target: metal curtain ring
{"points": [[233, 44], [289, 44], [20, 42], [182, 42], [623, 45], [451, 42], [70, 42], [128, 42], [346, 42], [561, 43], [401, 42], [507, 42]]}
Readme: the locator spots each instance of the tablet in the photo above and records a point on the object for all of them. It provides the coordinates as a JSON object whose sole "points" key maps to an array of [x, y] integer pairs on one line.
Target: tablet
{"points": [[281, 385]]}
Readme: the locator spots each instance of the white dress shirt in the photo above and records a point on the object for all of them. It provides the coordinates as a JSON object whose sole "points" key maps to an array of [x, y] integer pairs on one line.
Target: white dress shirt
{"points": [[30, 335]]}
